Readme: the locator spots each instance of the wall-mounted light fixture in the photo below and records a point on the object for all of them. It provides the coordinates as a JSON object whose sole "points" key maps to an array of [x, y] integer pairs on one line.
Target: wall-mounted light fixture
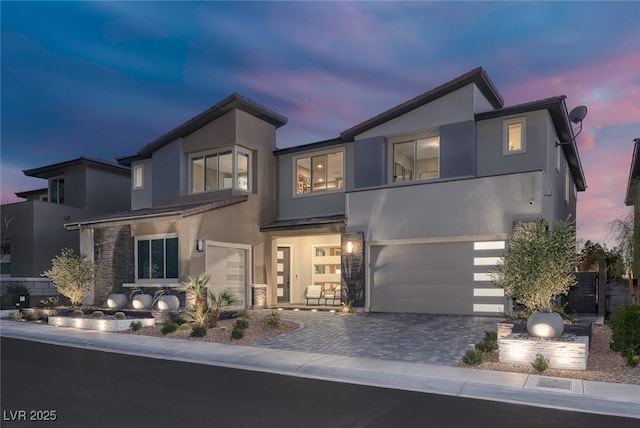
{"points": [[349, 247], [200, 245]]}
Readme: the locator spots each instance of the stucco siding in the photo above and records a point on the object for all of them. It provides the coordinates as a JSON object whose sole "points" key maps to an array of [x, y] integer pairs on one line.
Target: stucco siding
{"points": [[106, 191], [142, 198], [455, 107], [169, 172], [219, 133], [468, 207], [490, 156]]}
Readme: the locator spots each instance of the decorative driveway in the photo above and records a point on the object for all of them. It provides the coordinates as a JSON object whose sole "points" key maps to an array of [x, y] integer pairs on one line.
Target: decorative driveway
{"points": [[417, 338]]}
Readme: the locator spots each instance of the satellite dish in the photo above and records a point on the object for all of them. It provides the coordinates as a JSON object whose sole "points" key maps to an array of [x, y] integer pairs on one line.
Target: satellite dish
{"points": [[578, 114]]}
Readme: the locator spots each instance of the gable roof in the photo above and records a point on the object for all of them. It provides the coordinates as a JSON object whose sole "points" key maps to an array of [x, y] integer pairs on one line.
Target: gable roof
{"points": [[56, 169], [634, 172], [477, 76], [233, 101], [560, 117]]}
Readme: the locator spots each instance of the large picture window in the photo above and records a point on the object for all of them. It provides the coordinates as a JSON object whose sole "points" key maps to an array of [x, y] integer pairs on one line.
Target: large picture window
{"points": [[319, 173], [157, 258], [220, 170], [417, 159]]}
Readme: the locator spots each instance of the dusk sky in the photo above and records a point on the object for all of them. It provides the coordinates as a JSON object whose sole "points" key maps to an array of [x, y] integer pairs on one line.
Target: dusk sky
{"points": [[102, 79]]}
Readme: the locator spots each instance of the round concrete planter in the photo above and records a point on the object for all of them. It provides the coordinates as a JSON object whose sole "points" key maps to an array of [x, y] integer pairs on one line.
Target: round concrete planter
{"points": [[168, 303], [117, 301], [545, 324], [142, 301]]}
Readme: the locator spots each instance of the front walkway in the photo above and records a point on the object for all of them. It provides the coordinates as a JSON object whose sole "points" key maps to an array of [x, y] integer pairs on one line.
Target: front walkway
{"points": [[416, 338]]}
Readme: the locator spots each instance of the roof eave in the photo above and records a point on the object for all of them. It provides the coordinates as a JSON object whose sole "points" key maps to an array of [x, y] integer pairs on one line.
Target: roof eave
{"points": [[634, 173], [477, 76]]}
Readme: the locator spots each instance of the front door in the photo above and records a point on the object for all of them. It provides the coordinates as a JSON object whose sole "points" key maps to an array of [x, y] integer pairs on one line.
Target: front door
{"points": [[283, 274]]}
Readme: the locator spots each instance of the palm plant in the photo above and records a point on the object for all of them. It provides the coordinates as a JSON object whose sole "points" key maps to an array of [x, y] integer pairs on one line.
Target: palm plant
{"points": [[199, 311], [217, 302]]}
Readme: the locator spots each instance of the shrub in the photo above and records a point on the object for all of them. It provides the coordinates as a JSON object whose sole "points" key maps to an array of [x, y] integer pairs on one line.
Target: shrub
{"points": [[241, 324], [539, 264], [72, 275], [473, 357], [77, 314], [632, 360], [237, 333], [184, 327], [168, 327], [120, 316], [198, 331], [17, 288], [346, 307], [49, 302], [32, 316], [625, 327], [98, 314], [243, 314], [273, 319], [179, 320], [489, 342], [135, 325], [16, 316], [540, 364], [223, 328]]}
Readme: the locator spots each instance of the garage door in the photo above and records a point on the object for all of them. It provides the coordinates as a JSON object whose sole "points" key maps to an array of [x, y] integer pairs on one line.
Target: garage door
{"points": [[439, 278]]}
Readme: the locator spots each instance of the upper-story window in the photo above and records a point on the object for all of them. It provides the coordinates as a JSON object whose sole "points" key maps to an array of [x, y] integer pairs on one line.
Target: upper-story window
{"points": [[416, 159], [319, 172], [220, 169], [514, 136], [138, 174], [56, 190]]}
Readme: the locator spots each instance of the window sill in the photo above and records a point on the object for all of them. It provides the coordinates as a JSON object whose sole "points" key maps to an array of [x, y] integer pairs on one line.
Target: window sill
{"points": [[151, 285], [319, 193]]}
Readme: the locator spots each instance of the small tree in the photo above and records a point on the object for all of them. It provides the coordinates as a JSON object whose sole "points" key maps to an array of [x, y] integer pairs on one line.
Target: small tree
{"points": [[217, 301], [539, 264], [199, 311], [72, 275]]}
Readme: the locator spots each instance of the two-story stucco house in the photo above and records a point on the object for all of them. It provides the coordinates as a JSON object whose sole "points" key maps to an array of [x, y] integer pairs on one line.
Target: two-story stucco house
{"points": [[33, 230], [406, 211], [198, 196]]}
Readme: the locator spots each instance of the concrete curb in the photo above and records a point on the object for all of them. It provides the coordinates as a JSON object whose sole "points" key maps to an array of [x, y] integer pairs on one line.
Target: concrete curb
{"points": [[566, 394]]}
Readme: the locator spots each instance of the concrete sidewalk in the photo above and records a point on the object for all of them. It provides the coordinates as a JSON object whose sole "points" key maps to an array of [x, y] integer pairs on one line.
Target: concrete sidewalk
{"points": [[566, 394]]}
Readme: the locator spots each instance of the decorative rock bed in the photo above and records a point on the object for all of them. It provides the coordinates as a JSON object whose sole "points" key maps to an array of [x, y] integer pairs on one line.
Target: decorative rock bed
{"points": [[99, 324]]}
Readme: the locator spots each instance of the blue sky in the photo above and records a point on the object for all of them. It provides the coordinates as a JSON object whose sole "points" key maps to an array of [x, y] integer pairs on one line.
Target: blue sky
{"points": [[103, 79]]}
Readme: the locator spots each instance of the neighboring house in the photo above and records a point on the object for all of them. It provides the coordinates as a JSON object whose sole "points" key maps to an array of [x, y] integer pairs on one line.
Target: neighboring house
{"points": [[632, 198], [404, 212], [33, 231]]}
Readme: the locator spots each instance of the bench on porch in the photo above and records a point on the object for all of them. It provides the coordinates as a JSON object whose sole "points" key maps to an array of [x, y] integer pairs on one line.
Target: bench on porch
{"points": [[331, 292]]}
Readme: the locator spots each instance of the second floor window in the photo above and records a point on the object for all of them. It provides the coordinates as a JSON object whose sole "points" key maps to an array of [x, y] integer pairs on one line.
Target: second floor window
{"points": [[319, 173], [514, 136], [56, 190], [417, 159], [138, 177], [220, 170]]}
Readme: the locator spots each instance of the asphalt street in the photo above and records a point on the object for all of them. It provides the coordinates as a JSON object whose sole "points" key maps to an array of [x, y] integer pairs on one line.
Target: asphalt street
{"points": [[85, 388]]}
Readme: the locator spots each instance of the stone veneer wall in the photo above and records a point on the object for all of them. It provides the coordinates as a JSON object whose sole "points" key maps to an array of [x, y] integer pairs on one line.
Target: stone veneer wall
{"points": [[114, 256], [565, 353]]}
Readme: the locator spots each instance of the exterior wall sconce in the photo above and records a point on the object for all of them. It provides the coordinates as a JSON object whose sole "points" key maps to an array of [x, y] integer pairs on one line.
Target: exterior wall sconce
{"points": [[349, 247], [200, 245]]}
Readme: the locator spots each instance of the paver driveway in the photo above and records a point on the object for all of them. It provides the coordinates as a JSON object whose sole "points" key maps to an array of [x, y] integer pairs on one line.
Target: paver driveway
{"points": [[418, 338]]}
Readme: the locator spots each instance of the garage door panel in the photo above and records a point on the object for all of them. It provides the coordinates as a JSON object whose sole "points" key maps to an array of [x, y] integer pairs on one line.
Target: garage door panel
{"points": [[425, 278]]}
